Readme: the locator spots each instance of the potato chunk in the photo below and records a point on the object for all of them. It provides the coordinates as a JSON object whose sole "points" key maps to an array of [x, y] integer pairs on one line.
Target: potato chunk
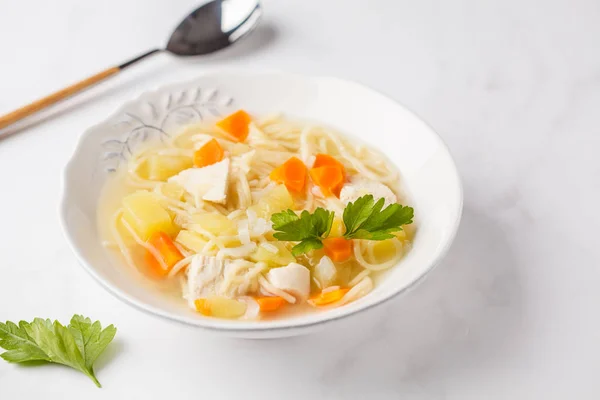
{"points": [[215, 223], [143, 212], [276, 200], [274, 259], [221, 307], [162, 167], [191, 241]]}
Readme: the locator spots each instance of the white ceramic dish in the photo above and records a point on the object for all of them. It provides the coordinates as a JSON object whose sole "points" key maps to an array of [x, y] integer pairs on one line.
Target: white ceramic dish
{"points": [[427, 170]]}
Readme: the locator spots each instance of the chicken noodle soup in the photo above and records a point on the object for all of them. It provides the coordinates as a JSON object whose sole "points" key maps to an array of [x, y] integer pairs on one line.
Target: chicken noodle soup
{"points": [[247, 218]]}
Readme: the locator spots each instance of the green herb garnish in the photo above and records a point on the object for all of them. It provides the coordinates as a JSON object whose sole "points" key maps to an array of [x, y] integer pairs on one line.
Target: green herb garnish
{"points": [[308, 229], [363, 219], [77, 345]]}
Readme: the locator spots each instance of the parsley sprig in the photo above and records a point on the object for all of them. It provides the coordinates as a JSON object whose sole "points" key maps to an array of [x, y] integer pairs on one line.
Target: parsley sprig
{"points": [[367, 219], [76, 345], [363, 219], [308, 229]]}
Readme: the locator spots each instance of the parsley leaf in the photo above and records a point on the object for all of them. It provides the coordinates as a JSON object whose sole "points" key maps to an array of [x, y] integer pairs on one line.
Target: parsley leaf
{"points": [[90, 338], [77, 345], [367, 219], [308, 229], [306, 245]]}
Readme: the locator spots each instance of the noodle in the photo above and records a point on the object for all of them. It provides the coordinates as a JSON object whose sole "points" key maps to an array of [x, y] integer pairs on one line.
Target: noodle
{"points": [[119, 239], [329, 289], [182, 250], [359, 277], [359, 290], [358, 250], [235, 267], [235, 214], [269, 247], [305, 150], [270, 289], [242, 251], [180, 265], [244, 194]]}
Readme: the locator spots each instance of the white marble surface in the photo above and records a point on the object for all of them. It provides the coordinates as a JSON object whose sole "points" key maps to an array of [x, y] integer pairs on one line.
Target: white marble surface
{"points": [[512, 86]]}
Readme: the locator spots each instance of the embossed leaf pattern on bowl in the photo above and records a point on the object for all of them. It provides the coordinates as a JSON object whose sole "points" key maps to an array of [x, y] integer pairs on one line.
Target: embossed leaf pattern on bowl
{"points": [[159, 118]]}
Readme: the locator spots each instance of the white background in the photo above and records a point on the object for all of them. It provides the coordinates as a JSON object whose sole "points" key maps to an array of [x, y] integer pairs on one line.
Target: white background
{"points": [[512, 86]]}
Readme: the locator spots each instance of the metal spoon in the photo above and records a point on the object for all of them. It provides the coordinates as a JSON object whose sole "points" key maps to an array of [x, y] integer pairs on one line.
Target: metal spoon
{"points": [[211, 27]]}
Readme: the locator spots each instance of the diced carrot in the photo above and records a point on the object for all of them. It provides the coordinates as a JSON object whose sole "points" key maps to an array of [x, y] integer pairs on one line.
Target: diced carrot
{"points": [[329, 178], [278, 174], [168, 252], [292, 174], [236, 125], [210, 153], [337, 248], [268, 304], [154, 269], [323, 160], [203, 307], [322, 299]]}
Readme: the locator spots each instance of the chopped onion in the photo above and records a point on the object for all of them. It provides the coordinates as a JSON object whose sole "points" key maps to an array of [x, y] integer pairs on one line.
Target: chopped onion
{"points": [[252, 216], [244, 232]]}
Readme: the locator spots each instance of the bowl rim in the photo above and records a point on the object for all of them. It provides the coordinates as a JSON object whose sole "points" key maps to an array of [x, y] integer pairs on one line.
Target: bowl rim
{"points": [[277, 325]]}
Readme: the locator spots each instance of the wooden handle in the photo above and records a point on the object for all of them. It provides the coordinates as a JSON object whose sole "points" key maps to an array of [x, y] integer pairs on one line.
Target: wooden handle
{"points": [[44, 102]]}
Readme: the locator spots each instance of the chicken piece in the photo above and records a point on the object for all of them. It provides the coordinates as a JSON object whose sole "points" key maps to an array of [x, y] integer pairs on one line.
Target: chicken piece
{"points": [[207, 183], [209, 276], [205, 275], [293, 279], [359, 187]]}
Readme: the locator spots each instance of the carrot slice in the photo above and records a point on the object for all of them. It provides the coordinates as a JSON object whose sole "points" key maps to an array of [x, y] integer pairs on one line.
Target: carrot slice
{"points": [[210, 153], [322, 299], [292, 174], [203, 307], [169, 254], [329, 178], [337, 248], [236, 125], [269, 303]]}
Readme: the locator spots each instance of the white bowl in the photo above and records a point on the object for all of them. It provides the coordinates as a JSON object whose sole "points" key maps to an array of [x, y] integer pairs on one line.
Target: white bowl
{"points": [[428, 173]]}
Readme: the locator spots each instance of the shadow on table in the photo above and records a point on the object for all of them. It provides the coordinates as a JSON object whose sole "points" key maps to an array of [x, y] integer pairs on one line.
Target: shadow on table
{"points": [[463, 316], [116, 347], [263, 37]]}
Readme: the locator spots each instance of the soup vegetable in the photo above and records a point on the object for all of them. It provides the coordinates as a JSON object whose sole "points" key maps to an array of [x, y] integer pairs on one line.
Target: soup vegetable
{"points": [[249, 219]]}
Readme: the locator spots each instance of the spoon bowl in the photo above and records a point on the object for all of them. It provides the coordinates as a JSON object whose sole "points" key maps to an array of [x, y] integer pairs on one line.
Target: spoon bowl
{"points": [[214, 26]]}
